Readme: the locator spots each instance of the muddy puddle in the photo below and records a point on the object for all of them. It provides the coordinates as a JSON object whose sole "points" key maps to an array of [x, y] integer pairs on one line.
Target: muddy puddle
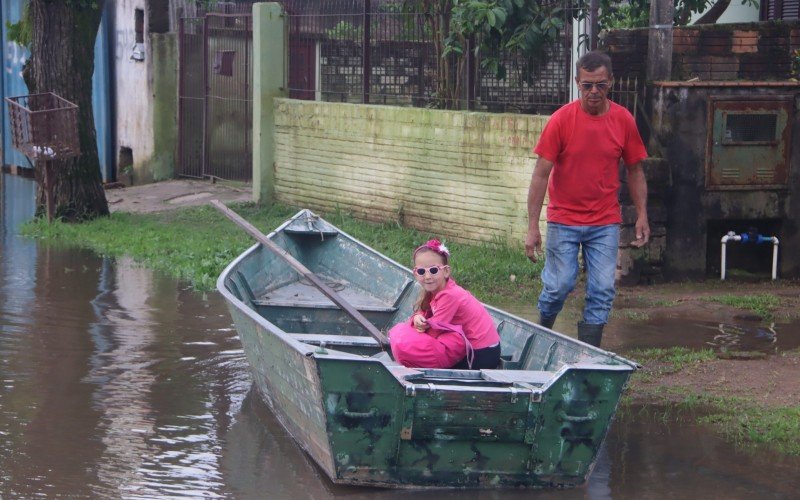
{"points": [[729, 335], [118, 382]]}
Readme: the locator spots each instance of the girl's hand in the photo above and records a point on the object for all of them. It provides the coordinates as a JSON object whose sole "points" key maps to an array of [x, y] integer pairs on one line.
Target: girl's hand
{"points": [[420, 323]]}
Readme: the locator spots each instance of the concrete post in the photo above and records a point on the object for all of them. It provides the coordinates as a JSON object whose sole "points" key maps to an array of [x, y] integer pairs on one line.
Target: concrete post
{"points": [[165, 104], [659, 45], [269, 77]]}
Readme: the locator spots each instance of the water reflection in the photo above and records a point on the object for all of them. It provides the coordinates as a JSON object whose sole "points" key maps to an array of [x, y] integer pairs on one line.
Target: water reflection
{"points": [[120, 382]]}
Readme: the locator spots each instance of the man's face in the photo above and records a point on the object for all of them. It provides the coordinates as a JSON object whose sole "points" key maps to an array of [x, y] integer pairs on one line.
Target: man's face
{"points": [[594, 87]]}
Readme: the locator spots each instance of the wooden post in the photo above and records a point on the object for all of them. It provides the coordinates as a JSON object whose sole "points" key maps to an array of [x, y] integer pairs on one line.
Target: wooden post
{"points": [[48, 189], [659, 44]]}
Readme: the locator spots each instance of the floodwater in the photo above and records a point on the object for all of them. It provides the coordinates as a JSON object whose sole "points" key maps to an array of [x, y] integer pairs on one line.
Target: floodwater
{"points": [[118, 382]]}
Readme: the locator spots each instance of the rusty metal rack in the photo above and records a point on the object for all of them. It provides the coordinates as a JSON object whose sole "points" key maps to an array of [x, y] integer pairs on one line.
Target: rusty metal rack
{"points": [[44, 127]]}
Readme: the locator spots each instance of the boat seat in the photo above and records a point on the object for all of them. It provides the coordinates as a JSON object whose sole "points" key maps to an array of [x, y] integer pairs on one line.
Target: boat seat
{"points": [[304, 295], [335, 340], [385, 358], [322, 305], [535, 377], [516, 363]]}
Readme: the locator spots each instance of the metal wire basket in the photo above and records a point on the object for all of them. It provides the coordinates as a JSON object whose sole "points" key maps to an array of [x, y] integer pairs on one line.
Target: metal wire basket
{"points": [[44, 126]]}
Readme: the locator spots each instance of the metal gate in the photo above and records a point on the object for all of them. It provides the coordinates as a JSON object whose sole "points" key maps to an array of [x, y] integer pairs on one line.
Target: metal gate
{"points": [[215, 126]]}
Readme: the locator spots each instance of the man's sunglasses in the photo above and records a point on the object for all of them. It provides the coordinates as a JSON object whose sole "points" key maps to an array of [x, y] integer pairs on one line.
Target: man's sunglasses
{"points": [[434, 270], [587, 86]]}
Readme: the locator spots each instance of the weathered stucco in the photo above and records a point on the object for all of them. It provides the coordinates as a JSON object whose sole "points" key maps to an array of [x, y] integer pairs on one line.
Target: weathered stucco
{"points": [[134, 93], [145, 95], [697, 216]]}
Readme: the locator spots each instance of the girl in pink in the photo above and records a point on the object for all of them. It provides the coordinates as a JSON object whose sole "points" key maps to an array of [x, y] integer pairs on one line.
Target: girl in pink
{"points": [[450, 328]]}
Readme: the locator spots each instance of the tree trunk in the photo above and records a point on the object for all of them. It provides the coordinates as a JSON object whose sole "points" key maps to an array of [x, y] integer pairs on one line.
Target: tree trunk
{"points": [[62, 62]]}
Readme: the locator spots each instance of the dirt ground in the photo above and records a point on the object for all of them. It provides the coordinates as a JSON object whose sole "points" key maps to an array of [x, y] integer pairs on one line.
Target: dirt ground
{"points": [[772, 380], [172, 194]]}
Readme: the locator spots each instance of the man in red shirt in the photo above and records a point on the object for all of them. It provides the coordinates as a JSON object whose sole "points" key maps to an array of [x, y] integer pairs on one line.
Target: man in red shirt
{"points": [[578, 166]]}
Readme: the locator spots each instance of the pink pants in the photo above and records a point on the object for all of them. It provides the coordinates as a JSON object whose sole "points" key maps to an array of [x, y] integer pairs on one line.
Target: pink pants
{"points": [[426, 349]]}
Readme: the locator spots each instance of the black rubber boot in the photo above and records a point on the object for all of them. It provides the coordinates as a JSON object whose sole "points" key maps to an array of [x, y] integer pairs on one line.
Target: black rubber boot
{"points": [[547, 322], [591, 334]]}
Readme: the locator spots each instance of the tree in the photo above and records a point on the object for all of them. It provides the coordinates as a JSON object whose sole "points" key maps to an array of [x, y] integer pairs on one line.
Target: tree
{"points": [[60, 35], [489, 28]]}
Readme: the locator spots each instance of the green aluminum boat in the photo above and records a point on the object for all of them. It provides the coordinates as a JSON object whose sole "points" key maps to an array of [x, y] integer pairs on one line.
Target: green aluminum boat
{"points": [[366, 420]]}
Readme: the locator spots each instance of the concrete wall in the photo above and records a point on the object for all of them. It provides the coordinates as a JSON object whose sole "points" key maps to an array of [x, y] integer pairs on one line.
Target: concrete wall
{"points": [[133, 105], [462, 175], [698, 216], [145, 95]]}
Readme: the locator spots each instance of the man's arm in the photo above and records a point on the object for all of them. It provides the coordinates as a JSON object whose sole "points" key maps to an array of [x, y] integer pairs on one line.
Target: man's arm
{"points": [[536, 193], [637, 185]]}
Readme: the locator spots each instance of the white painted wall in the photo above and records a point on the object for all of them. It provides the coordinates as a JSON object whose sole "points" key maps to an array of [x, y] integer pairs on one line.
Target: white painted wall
{"points": [[735, 13], [134, 82]]}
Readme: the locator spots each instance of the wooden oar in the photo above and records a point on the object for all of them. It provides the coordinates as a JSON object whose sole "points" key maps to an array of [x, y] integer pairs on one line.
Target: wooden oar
{"points": [[299, 267]]}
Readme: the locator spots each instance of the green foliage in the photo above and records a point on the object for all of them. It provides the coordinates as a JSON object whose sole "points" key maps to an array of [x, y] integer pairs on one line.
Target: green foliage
{"points": [[636, 13], [746, 423], [21, 32], [628, 14], [762, 304], [345, 31], [195, 244], [796, 63], [677, 358], [513, 26]]}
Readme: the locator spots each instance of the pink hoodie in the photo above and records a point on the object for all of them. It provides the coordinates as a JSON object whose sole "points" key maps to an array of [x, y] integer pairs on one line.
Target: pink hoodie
{"points": [[456, 306]]}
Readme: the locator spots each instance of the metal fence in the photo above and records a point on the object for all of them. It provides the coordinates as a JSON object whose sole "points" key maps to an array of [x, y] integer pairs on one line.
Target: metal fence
{"points": [[215, 94], [377, 51]]}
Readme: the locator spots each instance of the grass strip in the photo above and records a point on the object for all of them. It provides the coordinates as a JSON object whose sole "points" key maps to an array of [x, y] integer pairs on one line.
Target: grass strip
{"points": [[763, 304], [196, 243], [739, 420]]}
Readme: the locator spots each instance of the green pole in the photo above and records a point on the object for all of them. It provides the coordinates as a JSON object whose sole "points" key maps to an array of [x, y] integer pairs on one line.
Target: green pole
{"points": [[269, 77]]}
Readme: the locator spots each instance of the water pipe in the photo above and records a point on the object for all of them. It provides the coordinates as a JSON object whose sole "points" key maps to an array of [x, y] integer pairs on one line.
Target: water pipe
{"points": [[756, 239]]}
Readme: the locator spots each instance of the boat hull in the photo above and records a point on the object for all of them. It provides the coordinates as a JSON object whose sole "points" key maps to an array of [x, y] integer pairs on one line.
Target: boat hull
{"points": [[365, 420]]}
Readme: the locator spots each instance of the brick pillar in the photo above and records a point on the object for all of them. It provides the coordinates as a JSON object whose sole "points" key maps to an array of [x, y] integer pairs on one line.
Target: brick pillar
{"points": [[643, 266]]}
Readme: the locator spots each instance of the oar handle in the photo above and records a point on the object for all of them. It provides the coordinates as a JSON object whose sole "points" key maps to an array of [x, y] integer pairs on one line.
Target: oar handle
{"points": [[299, 267]]}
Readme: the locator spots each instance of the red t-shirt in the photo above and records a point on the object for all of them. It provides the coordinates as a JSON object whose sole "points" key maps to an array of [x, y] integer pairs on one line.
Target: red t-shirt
{"points": [[585, 151]]}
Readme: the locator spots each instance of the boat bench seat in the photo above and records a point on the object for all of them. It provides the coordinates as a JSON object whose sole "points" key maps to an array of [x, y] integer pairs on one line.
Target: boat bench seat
{"points": [[535, 377], [335, 340], [518, 362], [322, 304]]}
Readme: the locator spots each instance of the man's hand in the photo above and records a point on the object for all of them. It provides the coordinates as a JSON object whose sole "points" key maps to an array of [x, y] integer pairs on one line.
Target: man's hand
{"points": [[642, 233], [536, 192], [637, 185], [533, 244]]}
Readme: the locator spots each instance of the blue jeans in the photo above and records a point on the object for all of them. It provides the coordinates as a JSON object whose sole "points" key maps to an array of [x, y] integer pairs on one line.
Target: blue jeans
{"points": [[600, 244]]}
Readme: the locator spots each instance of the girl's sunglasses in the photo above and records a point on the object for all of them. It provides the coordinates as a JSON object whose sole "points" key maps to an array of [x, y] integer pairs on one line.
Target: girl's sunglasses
{"points": [[434, 270]]}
